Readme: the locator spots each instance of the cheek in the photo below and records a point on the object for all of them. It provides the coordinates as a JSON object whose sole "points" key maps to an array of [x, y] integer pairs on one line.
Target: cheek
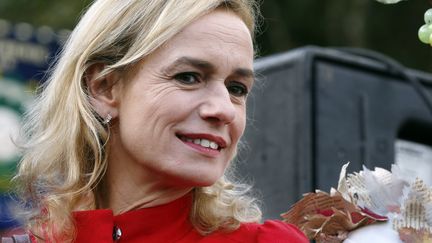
{"points": [[151, 105], [239, 124]]}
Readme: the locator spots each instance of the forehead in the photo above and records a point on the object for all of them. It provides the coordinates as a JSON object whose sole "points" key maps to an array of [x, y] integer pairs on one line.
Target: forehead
{"points": [[219, 36], [219, 24]]}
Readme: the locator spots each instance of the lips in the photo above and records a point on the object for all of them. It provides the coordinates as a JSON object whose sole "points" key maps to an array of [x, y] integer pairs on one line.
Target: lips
{"points": [[207, 141]]}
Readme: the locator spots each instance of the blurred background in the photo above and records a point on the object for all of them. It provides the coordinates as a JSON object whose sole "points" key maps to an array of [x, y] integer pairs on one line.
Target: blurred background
{"points": [[389, 29], [31, 33]]}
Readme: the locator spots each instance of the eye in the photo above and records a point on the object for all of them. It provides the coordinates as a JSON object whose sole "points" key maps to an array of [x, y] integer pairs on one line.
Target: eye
{"points": [[237, 89], [187, 78]]}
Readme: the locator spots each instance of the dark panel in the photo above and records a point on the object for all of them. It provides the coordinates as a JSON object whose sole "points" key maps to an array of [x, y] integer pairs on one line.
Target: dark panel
{"points": [[359, 113], [313, 110]]}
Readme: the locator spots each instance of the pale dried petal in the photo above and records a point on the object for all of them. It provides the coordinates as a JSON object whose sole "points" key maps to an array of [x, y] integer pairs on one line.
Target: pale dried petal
{"points": [[376, 190], [410, 235], [413, 208], [428, 208], [342, 185]]}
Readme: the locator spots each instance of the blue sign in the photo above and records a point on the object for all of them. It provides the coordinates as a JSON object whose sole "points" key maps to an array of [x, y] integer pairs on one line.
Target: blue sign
{"points": [[26, 52]]}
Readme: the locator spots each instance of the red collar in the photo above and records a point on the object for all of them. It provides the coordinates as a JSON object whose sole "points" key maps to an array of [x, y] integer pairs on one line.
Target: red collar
{"points": [[164, 223]]}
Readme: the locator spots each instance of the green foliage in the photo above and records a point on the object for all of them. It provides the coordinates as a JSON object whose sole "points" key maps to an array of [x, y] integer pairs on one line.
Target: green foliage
{"points": [[425, 31]]}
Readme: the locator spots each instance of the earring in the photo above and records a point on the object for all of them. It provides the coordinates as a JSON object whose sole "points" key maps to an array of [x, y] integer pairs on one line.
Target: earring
{"points": [[107, 119]]}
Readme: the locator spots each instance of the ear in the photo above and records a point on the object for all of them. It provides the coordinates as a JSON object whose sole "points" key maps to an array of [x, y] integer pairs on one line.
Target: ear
{"points": [[104, 93]]}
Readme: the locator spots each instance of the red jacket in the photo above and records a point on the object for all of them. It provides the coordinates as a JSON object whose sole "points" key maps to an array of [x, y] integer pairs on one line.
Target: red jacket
{"points": [[170, 223]]}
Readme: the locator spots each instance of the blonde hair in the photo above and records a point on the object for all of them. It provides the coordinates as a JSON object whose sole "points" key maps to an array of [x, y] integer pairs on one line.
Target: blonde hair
{"points": [[64, 150]]}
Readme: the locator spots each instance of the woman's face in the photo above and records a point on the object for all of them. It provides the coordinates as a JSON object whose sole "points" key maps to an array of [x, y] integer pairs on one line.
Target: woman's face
{"points": [[182, 113]]}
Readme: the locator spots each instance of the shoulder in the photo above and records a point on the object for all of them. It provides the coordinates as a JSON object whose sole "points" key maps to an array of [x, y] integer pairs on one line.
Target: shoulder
{"points": [[274, 231]]}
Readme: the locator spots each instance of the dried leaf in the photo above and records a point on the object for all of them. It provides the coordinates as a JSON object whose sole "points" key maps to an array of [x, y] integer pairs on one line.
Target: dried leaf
{"points": [[320, 215], [360, 200]]}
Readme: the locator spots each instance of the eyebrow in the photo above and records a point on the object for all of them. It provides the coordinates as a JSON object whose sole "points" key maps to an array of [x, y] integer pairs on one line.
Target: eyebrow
{"points": [[244, 72], [205, 65], [188, 61]]}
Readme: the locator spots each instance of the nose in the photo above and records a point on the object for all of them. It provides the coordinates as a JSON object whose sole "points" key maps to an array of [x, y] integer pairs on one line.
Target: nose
{"points": [[217, 106]]}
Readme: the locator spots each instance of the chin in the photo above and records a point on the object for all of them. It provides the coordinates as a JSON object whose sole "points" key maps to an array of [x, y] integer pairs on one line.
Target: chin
{"points": [[206, 183]]}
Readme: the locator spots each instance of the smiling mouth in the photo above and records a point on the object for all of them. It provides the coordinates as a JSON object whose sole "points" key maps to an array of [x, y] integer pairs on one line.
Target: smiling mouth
{"points": [[205, 143]]}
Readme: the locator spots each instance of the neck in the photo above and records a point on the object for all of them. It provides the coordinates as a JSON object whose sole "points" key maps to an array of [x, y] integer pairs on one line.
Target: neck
{"points": [[122, 200], [128, 186]]}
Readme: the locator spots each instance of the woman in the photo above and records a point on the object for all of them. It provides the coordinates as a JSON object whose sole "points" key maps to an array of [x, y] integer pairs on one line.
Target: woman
{"points": [[131, 136]]}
